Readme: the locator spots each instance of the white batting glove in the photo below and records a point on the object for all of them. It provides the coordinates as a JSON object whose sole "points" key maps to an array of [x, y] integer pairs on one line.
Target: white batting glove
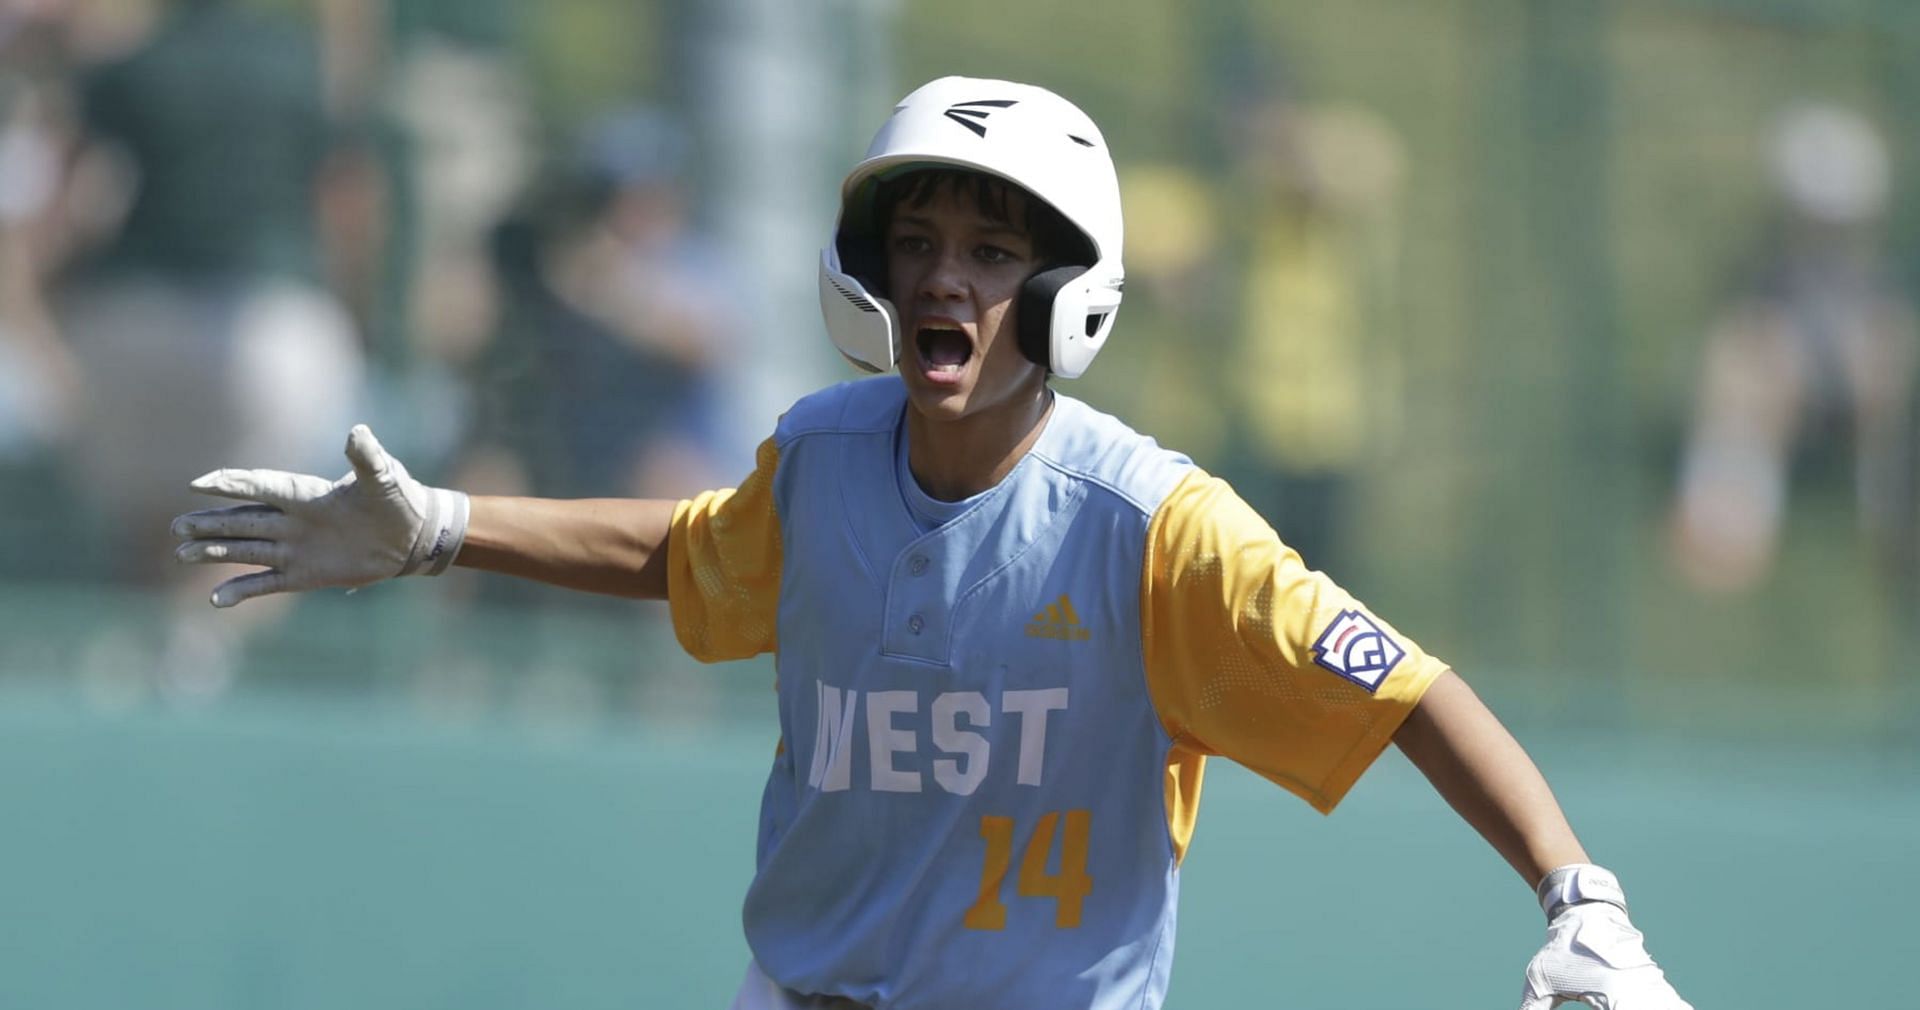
{"points": [[1593, 954], [309, 532]]}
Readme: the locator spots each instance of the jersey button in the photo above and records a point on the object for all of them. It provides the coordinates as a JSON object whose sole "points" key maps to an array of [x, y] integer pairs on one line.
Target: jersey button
{"points": [[915, 623], [918, 565]]}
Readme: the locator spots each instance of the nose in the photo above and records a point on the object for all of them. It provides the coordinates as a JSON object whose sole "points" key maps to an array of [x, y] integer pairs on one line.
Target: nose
{"points": [[945, 279]]}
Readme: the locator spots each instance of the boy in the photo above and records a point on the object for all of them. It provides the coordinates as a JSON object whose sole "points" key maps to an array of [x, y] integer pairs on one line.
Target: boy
{"points": [[1009, 630]]}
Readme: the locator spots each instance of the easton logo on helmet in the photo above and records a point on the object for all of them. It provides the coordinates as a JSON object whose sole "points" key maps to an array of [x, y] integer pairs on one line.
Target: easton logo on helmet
{"points": [[971, 115]]}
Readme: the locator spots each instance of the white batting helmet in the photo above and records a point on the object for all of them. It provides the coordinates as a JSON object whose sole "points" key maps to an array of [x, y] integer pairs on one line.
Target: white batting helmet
{"points": [[1026, 135]]}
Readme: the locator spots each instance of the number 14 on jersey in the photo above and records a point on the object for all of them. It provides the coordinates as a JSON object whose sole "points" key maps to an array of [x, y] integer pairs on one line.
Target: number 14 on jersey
{"points": [[1068, 887]]}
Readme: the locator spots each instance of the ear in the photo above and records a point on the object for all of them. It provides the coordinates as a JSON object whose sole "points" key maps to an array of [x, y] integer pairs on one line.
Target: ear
{"points": [[1036, 312]]}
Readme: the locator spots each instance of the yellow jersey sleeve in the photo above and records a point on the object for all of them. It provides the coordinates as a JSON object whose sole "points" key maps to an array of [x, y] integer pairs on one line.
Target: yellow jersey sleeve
{"points": [[1251, 656], [723, 567]]}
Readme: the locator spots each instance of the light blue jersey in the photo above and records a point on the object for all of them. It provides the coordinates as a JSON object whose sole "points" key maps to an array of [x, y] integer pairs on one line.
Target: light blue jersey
{"points": [[980, 801]]}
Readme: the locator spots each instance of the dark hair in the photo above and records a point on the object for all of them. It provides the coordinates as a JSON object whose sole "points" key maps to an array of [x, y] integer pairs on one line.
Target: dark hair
{"points": [[1056, 241]]}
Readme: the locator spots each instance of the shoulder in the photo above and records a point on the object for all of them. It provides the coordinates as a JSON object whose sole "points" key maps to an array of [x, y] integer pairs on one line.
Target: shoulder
{"points": [[863, 406], [1101, 450]]}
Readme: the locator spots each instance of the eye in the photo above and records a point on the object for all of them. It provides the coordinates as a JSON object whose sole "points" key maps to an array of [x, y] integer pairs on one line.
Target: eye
{"points": [[911, 244], [996, 254]]}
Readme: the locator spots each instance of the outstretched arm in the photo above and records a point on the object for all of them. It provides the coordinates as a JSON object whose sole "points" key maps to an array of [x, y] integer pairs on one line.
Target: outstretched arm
{"points": [[616, 546], [377, 522], [1593, 954], [1480, 770]]}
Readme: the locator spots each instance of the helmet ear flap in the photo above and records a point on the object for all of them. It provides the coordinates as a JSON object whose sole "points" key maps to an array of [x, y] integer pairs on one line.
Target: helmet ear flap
{"points": [[861, 258], [864, 326], [1037, 298]]}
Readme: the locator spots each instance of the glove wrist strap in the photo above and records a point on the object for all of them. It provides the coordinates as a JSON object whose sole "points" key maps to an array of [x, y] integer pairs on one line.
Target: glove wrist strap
{"points": [[1577, 883], [441, 535]]}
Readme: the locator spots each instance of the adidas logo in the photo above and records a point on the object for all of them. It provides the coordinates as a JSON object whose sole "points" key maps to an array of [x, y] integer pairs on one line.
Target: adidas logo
{"points": [[1059, 621], [973, 115]]}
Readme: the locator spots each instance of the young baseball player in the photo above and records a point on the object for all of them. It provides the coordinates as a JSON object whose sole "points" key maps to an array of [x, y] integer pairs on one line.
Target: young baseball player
{"points": [[1009, 630]]}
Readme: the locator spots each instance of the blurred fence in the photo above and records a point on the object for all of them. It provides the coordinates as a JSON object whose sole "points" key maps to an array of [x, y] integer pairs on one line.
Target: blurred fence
{"points": [[331, 852]]}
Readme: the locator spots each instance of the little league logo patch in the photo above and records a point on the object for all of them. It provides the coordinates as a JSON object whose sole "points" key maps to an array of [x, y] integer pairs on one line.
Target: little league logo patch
{"points": [[1355, 648]]}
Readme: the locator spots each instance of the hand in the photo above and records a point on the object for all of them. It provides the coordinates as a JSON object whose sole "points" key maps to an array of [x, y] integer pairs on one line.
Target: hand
{"points": [[309, 532], [1595, 956]]}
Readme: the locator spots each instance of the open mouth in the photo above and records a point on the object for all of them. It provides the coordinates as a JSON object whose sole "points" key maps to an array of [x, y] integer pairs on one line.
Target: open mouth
{"points": [[943, 351]]}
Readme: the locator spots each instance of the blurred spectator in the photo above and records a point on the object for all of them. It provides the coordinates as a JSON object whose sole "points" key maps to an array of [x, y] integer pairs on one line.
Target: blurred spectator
{"points": [[615, 312], [38, 380], [1172, 336], [1815, 357], [1312, 369], [463, 109], [201, 328], [603, 378]]}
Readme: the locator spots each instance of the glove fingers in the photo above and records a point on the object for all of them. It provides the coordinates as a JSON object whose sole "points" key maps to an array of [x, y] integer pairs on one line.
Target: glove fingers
{"points": [[272, 487], [370, 460], [265, 553], [251, 522], [246, 587]]}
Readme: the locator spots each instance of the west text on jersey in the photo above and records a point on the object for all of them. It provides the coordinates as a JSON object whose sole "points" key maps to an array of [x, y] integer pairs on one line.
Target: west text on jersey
{"points": [[946, 733]]}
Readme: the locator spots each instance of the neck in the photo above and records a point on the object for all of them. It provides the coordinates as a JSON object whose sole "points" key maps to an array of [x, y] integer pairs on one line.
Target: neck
{"points": [[958, 458]]}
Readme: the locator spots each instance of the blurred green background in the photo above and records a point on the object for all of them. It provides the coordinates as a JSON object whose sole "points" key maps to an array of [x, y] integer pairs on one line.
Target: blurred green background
{"points": [[1446, 288]]}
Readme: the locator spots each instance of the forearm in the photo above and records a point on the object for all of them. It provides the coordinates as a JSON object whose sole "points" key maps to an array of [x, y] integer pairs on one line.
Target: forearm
{"points": [[1482, 772], [616, 546]]}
